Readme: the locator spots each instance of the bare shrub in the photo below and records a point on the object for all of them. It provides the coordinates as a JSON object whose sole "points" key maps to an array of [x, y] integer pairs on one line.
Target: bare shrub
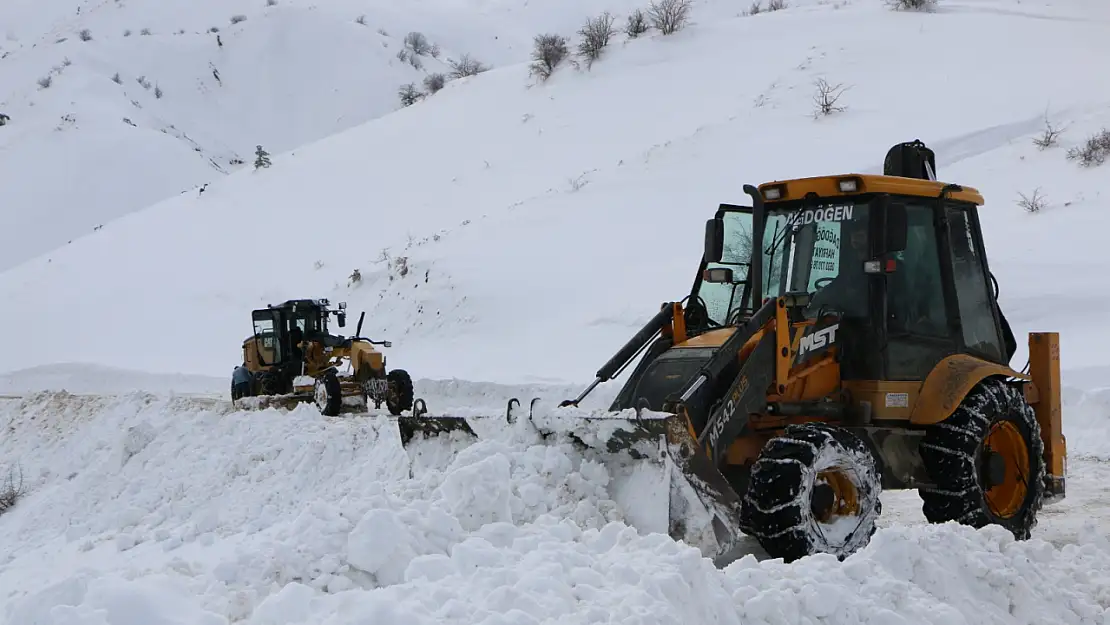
{"points": [[417, 43], [434, 82], [127, 32], [669, 16], [271, 3], [235, 19], [1049, 135], [145, 31], [46, 81], [143, 81], [85, 35], [466, 66], [11, 491], [595, 33], [636, 25], [405, 56], [776, 5], [1094, 150], [912, 5], [361, 20], [214, 29], [1034, 203], [756, 8], [116, 79], [409, 94], [548, 51], [158, 92], [827, 97]]}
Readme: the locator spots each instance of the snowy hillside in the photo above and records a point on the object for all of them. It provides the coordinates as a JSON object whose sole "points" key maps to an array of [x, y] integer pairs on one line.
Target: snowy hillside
{"points": [[131, 102], [509, 230]]}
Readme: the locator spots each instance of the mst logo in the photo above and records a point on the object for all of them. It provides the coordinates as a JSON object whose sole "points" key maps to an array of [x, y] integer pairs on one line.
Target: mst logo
{"points": [[818, 339]]}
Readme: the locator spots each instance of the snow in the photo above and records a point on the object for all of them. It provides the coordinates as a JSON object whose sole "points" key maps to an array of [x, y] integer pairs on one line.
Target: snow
{"points": [[528, 280], [510, 236], [150, 508], [288, 75]]}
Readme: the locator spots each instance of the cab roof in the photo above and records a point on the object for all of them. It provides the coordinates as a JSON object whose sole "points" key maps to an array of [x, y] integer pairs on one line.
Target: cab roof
{"points": [[829, 186]]}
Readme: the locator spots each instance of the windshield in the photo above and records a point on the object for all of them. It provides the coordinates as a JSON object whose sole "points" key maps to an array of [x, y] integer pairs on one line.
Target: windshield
{"points": [[819, 249], [724, 299]]}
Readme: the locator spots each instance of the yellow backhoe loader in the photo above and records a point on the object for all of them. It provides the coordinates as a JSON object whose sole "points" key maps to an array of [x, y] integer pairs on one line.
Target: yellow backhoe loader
{"points": [[842, 337]]}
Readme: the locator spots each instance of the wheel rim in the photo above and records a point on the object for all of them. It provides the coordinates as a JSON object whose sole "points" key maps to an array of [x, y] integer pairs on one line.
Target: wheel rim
{"points": [[841, 497], [321, 396], [1005, 441]]}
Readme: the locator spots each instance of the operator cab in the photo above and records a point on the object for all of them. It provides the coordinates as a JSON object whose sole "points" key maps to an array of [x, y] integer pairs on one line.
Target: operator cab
{"points": [[279, 327], [896, 262]]}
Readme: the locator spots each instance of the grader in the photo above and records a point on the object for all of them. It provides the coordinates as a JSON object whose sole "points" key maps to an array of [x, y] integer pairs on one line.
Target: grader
{"points": [[843, 336], [293, 358]]}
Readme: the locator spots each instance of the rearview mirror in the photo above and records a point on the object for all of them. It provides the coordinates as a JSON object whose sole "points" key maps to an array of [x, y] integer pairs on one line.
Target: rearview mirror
{"points": [[714, 240], [890, 226], [718, 275]]}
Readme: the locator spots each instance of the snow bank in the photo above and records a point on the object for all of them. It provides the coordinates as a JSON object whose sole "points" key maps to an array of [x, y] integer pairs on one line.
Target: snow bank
{"points": [[174, 511]]}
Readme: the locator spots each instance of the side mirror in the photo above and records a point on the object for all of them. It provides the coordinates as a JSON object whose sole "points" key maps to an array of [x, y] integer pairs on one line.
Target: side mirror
{"points": [[714, 240], [342, 319], [718, 275], [889, 226], [387, 343]]}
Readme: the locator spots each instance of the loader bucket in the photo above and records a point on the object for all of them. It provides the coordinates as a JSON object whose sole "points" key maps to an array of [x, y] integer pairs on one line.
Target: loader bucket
{"points": [[702, 508], [661, 477]]}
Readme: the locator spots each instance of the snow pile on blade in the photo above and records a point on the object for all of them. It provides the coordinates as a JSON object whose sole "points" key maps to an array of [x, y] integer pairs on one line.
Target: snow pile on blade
{"points": [[143, 509]]}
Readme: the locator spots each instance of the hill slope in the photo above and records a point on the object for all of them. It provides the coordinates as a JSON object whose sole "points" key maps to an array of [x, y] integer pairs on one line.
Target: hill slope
{"points": [[162, 98], [512, 231]]}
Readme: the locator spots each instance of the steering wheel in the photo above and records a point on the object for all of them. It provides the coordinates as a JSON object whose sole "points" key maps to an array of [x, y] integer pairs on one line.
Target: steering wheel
{"points": [[697, 314], [822, 283]]}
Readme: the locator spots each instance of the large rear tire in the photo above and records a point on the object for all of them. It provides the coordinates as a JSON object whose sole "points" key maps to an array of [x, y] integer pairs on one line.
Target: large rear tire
{"points": [[986, 461], [815, 489], [399, 397]]}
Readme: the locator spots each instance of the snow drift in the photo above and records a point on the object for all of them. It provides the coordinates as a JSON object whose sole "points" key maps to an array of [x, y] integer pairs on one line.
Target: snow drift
{"points": [[147, 509]]}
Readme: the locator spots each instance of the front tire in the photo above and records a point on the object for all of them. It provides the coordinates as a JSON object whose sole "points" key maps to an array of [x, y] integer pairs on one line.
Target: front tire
{"points": [[814, 489], [986, 461], [399, 395], [328, 394]]}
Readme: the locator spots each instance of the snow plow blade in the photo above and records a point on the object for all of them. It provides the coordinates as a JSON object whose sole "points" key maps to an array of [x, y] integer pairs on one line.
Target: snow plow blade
{"points": [[352, 404], [420, 423]]}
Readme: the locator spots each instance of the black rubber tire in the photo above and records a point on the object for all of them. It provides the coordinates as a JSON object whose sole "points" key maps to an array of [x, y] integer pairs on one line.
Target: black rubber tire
{"points": [[400, 395], [268, 383], [952, 452], [333, 400], [777, 508]]}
